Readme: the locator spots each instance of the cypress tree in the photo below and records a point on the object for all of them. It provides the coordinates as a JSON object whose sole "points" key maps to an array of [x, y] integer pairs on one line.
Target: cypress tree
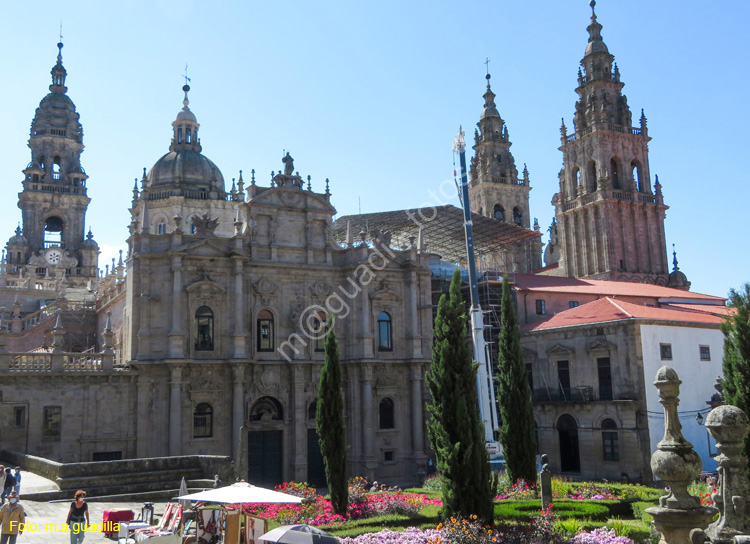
{"points": [[329, 418], [455, 430], [736, 363], [514, 397]]}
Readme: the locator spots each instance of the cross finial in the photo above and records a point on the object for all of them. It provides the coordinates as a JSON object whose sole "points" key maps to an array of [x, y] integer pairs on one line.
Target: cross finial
{"points": [[187, 79], [487, 65], [61, 36]]}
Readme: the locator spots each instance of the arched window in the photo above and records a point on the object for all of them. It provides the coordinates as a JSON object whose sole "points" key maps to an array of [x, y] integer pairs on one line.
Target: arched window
{"points": [[312, 410], [53, 231], [591, 176], [188, 136], [179, 135], [615, 173], [636, 170], [610, 441], [576, 181], [161, 228], [204, 325], [385, 338], [203, 421], [266, 409], [56, 167], [385, 413], [517, 216], [265, 331], [499, 213]]}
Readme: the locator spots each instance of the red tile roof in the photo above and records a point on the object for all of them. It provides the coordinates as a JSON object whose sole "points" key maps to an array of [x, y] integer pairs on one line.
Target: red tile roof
{"points": [[707, 308], [556, 284], [608, 309]]}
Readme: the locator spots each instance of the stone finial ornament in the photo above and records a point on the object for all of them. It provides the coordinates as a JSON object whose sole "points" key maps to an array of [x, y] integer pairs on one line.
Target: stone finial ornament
{"points": [[679, 517], [729, 426]]}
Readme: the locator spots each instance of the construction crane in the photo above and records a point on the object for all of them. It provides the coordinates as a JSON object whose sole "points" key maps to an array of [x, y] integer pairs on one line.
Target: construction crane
{"points": [[485, 387]]}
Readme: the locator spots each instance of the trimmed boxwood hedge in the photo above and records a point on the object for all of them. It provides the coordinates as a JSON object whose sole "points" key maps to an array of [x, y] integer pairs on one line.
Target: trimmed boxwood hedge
{"points": [[526, 510]]}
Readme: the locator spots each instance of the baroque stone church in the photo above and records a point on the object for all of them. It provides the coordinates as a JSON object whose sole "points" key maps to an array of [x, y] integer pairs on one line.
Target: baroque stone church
{"points": [[206, 337]]}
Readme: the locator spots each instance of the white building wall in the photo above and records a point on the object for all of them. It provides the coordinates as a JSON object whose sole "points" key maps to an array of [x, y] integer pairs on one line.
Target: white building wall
{"points": [[698, 379]]}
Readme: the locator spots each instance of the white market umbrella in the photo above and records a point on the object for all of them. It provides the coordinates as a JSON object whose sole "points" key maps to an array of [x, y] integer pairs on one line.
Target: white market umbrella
{"points": [[299, 534], [241, 492], [183, 491]]}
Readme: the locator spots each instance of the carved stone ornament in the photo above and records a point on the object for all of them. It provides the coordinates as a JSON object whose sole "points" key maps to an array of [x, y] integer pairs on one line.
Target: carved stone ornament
{"points": [[265, 287], [321, 288], [269, 381], [204, 225]]}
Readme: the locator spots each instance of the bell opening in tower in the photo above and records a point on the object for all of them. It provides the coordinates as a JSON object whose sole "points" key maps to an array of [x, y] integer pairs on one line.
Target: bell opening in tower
{"points": [[53, 230]]}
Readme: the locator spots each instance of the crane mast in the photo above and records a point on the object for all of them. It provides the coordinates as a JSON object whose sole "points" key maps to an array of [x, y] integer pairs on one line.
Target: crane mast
{"points": [[485, 387]]}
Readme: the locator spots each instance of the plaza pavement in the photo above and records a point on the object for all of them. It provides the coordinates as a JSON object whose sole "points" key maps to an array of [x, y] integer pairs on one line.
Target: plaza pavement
{"points": [[42, 513]]}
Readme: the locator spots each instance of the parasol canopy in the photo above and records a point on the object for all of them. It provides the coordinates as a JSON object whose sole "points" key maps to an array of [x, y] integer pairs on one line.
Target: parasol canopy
{"points": [[241, 492]]}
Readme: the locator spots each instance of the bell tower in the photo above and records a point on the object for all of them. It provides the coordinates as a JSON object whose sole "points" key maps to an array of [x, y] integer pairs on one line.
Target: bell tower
{"points": [[610, 220], [494, 188], [53, 201]]}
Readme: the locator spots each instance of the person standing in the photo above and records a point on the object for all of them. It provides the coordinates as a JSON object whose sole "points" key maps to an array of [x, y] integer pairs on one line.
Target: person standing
{"points": [[17, 476], [12, 518], [10, 483], [78, 518]]}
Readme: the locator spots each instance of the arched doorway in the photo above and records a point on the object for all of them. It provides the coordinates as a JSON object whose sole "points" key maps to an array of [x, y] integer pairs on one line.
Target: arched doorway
{"points": [[265, 446], [570, 459]]}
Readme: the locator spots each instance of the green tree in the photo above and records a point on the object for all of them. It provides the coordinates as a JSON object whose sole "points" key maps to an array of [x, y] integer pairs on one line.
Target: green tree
{"points": [[329, 418], [454, 429], [514, 397], [736, 364]]}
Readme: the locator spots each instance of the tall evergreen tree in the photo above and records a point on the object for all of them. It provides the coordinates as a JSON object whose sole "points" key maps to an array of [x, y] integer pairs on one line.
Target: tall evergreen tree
{"points": [[736, 364], [455, 430], [329, 418], [514, 396]]}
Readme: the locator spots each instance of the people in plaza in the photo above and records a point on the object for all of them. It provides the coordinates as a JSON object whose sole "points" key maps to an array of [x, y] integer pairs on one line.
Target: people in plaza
{"points": [[12, 517], [2, 476], [8, 485], [78, 518], [375, 487], [217, 481], [17, 476]]}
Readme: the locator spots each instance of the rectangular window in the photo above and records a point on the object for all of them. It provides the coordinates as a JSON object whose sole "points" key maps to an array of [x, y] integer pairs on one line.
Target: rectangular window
{"points": [[541, 307], [19, 417], [52, 423], [605, 378], [388, 457], [563, 377], [573, 304], [610, 446], [666, 352], [530, 376], [106, 456], [265, 335], [705, 353]]}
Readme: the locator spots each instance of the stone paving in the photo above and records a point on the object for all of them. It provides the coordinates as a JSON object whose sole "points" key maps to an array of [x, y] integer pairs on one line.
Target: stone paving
{"points": [[55, 514]]}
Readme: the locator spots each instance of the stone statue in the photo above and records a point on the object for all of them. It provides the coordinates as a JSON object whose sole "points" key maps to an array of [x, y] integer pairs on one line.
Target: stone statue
{"points": [[308, 234], [288, 164], [272, 230], [252, 228]]}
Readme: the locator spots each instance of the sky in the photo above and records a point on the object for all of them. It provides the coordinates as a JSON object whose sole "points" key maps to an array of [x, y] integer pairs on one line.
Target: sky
{"points": [[371, 94]]}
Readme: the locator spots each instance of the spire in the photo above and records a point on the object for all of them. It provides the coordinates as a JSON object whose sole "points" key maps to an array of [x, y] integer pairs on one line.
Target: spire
{"points": [[58, 73], [596, 44], [674, 260], [490, 110], [185, 127]]}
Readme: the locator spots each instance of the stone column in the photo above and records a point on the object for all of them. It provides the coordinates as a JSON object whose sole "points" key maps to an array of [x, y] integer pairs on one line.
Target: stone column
{"points": [[144, 332], [676, 463], [729, 426], [416, 411], [300, 423], [176, 334], [366, 335], [108, 354], [239, 311], [416, 337], [175, 409], [143, 438], [238, 405], [368, 434]]}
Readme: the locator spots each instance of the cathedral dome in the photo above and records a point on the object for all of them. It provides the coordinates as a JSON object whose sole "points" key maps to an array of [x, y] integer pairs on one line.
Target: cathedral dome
{"points": [[18, 239], [597, 46], [185, 166], [89, 242], [57, 101]]}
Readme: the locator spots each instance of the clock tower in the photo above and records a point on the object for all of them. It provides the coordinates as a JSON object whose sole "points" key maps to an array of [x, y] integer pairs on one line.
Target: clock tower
{"points": [[53, 201]]}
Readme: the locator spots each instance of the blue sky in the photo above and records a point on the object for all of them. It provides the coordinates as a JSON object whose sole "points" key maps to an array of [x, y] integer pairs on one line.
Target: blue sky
{"points": [[370, 95]]}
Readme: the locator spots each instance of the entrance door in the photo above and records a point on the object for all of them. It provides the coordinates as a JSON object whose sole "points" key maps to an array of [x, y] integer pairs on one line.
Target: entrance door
{"points": [[265, 458], [567, 429], [316, 469]]}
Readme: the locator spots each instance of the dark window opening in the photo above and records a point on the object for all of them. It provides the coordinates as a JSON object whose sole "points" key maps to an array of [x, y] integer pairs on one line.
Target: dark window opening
{"points": [[665, 351], [204, 321], [517, 216], [266, 409], [636, 169], [530, 375], [52, 423], [385, 413], [188, 136], [610, 441], [19, 417], [179, 135], [312, 410], [592, 176], [53, 231], [388, 456], [541, 307], [615, 174], [605, 378], [203, 421], [320, 329], [385, 339], [573, 304], [265, 331], [705, 353], [106, 456], [563, 378]]}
